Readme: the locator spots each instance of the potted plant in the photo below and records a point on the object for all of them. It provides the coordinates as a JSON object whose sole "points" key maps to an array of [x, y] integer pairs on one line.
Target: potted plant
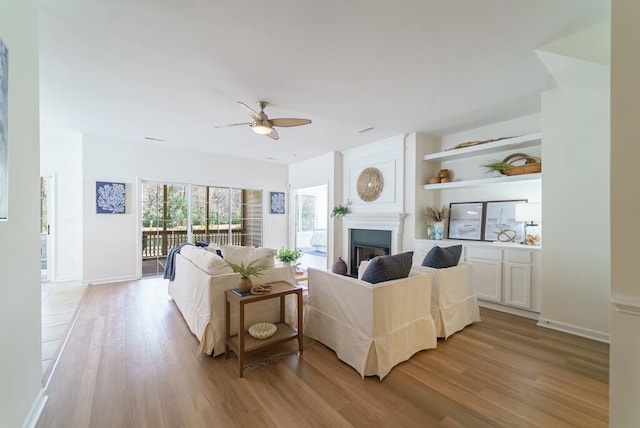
{"points": [[496, 167], [340, 211], [288, 255], [436, 216], [246, 272]]}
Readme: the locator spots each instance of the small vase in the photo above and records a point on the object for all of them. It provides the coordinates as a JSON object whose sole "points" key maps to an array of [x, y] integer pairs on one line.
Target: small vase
{"points": [[429, 231], [244, 284], [339, 267], [438, 230], [286, 263]]}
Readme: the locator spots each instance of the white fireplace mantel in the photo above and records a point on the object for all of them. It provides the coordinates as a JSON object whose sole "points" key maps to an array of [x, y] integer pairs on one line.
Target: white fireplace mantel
{"points": [[392, 221]]}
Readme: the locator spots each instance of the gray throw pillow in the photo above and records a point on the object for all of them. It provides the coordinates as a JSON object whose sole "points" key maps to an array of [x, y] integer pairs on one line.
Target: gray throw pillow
{"points": [[442, 258], [387, 268]]}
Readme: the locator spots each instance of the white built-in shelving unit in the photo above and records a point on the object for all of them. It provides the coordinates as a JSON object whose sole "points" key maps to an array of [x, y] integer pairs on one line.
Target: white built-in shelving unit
{"points": [[515, 143]]}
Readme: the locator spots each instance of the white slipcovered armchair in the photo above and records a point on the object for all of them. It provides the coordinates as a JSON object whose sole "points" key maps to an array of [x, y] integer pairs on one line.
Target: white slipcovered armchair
{"points": [[453, 301], [371, 327]]}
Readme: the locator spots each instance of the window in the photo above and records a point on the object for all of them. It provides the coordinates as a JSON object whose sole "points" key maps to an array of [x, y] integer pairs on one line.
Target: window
{"points": [[307, 212], [217, 214]]}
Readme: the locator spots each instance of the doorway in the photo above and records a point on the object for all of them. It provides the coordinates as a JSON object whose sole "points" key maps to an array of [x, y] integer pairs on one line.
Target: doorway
{"points": [[311, 221], [164, 223], [47, 238]]}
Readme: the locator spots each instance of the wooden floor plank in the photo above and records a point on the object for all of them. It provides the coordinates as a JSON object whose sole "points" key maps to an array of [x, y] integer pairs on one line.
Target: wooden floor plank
{"points": [[130, 361]]}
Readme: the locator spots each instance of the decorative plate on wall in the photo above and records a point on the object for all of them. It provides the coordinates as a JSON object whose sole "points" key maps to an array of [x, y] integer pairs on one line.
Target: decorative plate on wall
{"points": [[370, 184]]}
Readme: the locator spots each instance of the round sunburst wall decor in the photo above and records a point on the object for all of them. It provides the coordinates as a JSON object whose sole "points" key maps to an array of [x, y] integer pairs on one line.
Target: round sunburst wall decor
{"points": [[370, 184]]}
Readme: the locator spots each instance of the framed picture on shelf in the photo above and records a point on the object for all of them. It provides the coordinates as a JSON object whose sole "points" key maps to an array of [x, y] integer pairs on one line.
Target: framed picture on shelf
{"points": [[500, 221], [465, 220]]}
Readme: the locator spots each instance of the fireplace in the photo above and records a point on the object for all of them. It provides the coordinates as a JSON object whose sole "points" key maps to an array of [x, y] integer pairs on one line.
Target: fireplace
{"points": [[366, 244]]}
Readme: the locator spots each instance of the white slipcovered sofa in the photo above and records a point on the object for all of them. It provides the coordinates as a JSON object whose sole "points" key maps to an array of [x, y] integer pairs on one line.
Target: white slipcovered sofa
{"points": [[371, 327], [201, 278]]}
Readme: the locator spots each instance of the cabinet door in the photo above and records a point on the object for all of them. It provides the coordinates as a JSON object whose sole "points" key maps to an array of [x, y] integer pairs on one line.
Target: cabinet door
{"points": [[487, 278], [517, 284]]}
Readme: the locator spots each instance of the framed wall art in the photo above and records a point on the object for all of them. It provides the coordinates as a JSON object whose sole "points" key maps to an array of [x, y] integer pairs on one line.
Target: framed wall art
{"points": [[500, 221], [110, 197], [465, 220], [277, 202]]}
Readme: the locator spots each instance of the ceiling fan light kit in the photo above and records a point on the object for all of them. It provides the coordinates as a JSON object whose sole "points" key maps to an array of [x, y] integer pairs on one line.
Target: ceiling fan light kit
{"points": [[262, 129], [263, 125]]}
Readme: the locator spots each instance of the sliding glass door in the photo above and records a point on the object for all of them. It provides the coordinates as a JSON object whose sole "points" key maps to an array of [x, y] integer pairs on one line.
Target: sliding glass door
{"points": [[164, 223], [177, 213]]}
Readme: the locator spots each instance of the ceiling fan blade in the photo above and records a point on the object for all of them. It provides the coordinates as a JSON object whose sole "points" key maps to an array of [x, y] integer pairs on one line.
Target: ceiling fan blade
{"points": [[289, 121], [251, 112], [273, 134], [233, 124]]}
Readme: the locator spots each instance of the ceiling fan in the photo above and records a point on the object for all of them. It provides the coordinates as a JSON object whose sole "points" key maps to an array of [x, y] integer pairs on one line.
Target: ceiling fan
{"points": [[263, 125]]}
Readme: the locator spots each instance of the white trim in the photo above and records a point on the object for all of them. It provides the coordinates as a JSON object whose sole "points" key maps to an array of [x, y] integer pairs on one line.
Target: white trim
{"points": [[110, 280], [36, 410], [508, 309], [138, 215], [68, 279], [626, 303], [575, 330], [392, 221]]}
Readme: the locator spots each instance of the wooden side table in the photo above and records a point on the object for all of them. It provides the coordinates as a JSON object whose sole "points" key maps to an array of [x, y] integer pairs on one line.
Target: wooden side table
{"points": [[243, 343]]}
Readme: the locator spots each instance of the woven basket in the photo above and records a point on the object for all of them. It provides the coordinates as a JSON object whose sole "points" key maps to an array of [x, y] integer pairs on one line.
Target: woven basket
{"points": [[532, 164]]}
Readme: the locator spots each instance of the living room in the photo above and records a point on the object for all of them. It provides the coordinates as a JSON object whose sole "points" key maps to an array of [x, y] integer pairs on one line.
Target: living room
{"points": [[578, 288]]}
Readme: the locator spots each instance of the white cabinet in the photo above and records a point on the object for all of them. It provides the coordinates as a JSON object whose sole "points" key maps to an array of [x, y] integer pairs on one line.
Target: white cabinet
{"points": [[505, 276], [487, 272], [517, 278], [508, 275]]}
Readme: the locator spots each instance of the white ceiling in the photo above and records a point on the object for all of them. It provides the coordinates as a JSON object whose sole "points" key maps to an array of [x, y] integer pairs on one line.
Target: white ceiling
{"points": [[173, 70]]}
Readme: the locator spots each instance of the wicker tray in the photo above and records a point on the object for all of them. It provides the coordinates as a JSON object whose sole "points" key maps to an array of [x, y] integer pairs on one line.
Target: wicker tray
{"points": [[532, 164], [528, 168]]}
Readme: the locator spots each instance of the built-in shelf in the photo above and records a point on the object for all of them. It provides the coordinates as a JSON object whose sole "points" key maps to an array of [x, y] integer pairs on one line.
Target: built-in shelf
{"points": [[482, 181], [521, 142]]}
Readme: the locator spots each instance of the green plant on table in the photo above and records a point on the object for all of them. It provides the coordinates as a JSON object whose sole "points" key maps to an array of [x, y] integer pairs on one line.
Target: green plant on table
{"points": [[247, 271], [288, 255]]}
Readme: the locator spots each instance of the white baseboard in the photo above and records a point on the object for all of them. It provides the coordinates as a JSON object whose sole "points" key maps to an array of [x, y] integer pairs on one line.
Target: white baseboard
{"points": [[575, 330], [35, 411], [67, 279], [110, 280], [510, 310]]}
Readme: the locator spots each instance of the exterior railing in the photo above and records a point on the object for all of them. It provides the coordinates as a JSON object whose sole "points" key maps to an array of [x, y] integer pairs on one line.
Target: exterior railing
{"points": [[158, 243]]}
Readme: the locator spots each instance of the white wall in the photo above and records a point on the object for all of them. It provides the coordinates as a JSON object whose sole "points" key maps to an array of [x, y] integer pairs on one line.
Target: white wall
{"points": [[20, 367], [388, 157], [111, 244], [61, 157], [416, 174], [575, 206], [625, 211]]}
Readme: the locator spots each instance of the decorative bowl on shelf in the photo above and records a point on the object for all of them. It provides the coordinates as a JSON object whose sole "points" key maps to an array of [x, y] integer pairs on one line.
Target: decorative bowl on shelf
{"points": [[262, 330]]}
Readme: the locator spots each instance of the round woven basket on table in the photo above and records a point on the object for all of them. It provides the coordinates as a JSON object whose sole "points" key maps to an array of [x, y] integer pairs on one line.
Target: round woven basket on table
{"points": [[532, 164]]}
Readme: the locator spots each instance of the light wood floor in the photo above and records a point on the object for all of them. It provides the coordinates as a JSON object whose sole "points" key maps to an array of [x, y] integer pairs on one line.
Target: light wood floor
{"points": [[130, 362], [59, 302]]}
